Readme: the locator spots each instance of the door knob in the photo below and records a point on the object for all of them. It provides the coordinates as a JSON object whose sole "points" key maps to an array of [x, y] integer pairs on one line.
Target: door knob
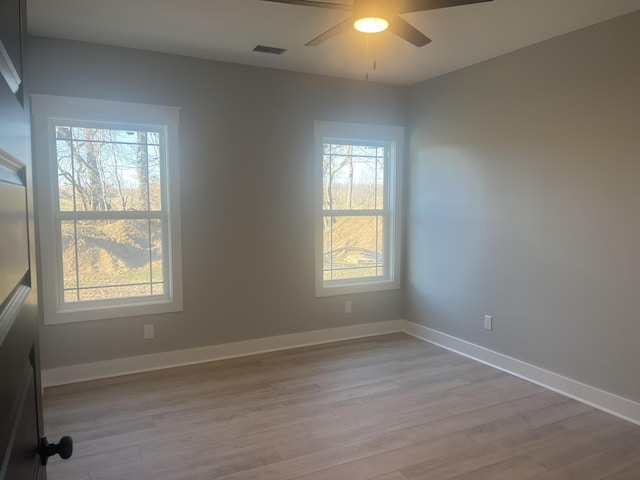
{"points": [[64, 448]]}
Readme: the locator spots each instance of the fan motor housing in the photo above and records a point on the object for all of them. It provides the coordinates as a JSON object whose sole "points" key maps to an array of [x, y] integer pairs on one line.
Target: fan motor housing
{"points": [[374, 8]]}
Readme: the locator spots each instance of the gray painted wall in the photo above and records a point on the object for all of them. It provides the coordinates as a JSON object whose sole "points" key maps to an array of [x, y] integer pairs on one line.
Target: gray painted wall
{"points": [[246, 180], [524, 203]]}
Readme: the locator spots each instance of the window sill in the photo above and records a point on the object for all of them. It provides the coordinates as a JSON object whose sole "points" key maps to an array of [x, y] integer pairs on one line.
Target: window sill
{"points": [[344, 288], [85, 313]]}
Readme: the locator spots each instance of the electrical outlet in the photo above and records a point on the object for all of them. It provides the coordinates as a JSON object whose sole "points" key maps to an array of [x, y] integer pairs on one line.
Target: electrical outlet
{"points": [[347, 306], [148, 331], [488, 322]]}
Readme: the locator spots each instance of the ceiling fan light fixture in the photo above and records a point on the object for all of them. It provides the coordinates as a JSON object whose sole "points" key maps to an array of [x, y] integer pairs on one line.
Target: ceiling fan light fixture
{"points": [[371, 24]]}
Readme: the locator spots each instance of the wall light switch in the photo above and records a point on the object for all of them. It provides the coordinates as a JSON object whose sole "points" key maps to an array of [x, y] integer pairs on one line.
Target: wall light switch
{"points": [[347, 306], [488, 322], [148, 331]]}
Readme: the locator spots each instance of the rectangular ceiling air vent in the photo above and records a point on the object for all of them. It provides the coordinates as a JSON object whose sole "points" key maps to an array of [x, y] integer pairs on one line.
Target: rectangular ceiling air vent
{"points": [[265, 49]]}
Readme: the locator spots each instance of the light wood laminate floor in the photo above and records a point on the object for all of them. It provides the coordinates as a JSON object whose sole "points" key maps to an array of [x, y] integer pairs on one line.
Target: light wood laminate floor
{"points": [[386, 408]]}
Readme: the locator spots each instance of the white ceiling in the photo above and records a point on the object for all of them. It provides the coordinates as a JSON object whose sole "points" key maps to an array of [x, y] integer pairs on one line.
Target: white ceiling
{"points": [[228, 30]]}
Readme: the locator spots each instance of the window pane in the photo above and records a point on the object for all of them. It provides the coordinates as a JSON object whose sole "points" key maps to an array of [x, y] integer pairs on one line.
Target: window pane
{"points": [[353, 176], [352, 247], [66, 174], [105, 259], [382, 264], [103, 169], [114, 291], [69, 276], [155, 190], [157, 271], [71, 296]]}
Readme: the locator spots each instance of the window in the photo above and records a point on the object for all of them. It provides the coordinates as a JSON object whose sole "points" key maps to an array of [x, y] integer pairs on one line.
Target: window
{"points": [[358, 207], [108, 208]]}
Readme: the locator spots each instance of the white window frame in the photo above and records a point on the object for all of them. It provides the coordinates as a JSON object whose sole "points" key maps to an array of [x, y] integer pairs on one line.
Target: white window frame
{"points": [[47, 110], [392, 137]]}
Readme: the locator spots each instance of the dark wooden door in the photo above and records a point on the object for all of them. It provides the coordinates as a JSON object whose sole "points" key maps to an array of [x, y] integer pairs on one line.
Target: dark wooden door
{"points": [[20, 399]]}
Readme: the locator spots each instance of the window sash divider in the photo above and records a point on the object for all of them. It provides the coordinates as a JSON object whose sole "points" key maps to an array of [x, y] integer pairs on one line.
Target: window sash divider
{"points": [[354, 213], [112, 215], [111, 285]]}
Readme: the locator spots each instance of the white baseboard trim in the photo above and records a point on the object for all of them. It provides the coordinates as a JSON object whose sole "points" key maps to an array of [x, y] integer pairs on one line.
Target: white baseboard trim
{"points": [[619, 406], [597, 398], [156, 361]]}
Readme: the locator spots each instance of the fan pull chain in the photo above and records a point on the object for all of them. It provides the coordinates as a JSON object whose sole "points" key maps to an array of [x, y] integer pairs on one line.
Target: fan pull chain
{"points": [[366, 73], [368, 56]]}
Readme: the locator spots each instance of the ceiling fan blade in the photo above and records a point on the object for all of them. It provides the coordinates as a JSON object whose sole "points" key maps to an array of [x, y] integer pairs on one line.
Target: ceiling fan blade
{"points": [[332, 32], [310, 3], [407, 32], [408, 6]]}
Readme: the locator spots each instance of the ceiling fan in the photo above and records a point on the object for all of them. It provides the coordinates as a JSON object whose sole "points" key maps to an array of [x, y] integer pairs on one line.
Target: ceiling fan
{"points": [[372, 16]]}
